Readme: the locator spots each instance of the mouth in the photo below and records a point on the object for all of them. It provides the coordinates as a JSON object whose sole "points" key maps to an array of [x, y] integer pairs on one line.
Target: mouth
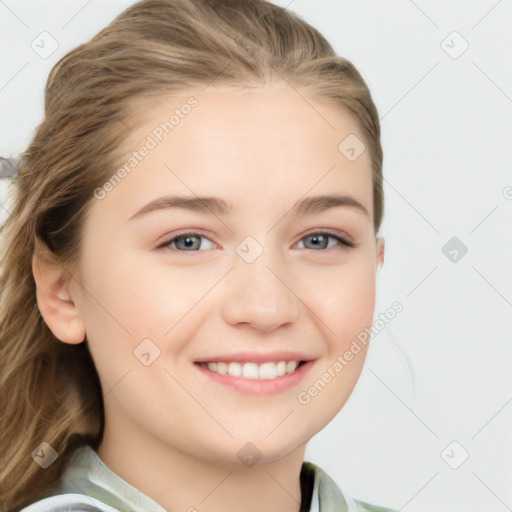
{"points": [[251, 370], [261, 377]]}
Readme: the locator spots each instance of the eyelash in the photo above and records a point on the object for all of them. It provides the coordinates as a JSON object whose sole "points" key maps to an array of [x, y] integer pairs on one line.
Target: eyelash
{"points": [[340, 239]]}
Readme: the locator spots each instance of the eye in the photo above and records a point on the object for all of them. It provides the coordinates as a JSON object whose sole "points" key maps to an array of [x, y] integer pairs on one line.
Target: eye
{"points": [[320, 240], [184, 240], [191, 242]]}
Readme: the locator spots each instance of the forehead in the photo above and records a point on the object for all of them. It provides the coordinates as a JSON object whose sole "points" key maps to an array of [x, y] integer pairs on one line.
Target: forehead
{"points": [[278, 110], [253, 143]]}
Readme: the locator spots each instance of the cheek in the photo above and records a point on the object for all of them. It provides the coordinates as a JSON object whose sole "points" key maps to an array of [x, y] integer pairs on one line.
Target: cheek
{"points": [[118, 309], [131, 298], [126, 301], [346, 309], [345, 302]]}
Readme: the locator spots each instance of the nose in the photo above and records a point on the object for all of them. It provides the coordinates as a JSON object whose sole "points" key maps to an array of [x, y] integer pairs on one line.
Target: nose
{"points": [[260, 294]]}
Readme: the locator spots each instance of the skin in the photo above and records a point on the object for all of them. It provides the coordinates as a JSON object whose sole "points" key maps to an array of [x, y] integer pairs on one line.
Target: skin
{"points": [[170, 431]]}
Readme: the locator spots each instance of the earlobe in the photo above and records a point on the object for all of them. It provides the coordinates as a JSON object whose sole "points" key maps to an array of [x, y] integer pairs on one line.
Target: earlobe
{"points": [[380, 251], [53, 298]]}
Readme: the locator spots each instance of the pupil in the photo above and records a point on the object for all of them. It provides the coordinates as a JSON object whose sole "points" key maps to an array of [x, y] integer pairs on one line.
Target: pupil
{"points": [[316, 238]]}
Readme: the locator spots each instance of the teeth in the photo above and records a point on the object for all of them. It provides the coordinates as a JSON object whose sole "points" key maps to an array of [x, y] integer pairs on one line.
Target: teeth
{"points": [[250, 371], [291, 366], [235, 369], [222, 368], [281, 368], [268, 370]]}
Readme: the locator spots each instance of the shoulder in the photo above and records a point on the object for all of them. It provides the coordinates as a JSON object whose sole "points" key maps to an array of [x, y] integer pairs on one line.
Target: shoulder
{"points": [[364, 506], [335, 497], [68, 503]]}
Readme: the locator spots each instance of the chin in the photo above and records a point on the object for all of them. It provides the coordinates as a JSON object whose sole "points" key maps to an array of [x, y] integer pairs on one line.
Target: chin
{"points": [[250, 450]]}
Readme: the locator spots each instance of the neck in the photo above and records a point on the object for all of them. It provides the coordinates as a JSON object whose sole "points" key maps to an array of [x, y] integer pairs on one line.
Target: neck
{"points": [[176, 480]]}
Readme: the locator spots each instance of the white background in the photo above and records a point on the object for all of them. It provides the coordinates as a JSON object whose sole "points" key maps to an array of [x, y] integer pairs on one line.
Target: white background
{"points": [[447, 140]]}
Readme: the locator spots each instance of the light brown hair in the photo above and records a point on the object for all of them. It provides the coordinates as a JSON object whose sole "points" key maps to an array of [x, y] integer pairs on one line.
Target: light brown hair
{"points": [[49, 390]]}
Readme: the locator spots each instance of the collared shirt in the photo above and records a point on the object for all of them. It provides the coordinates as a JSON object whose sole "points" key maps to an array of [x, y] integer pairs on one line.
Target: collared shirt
{"points": [[89, 485]]}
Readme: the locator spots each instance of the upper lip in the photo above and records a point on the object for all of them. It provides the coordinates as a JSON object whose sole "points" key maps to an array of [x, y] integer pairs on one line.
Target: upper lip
{"points": [[254, 357]]}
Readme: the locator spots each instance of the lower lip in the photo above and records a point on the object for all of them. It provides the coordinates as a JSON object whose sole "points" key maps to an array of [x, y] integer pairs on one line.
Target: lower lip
{"points": [[259, 386]]}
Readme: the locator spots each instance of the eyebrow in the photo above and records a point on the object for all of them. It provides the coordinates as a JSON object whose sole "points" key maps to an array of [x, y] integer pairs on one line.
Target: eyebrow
{"points": [[307, 206]]}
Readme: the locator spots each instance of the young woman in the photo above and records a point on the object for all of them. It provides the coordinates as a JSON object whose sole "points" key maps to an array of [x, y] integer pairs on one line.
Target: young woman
{"points": [[188, 266]]}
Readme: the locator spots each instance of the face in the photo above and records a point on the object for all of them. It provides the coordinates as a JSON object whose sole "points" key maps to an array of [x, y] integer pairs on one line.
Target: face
{"points": [[250, 277]]}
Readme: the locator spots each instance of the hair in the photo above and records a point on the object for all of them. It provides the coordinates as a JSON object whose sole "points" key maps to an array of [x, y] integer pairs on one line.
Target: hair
{"points": [[50, 390]]}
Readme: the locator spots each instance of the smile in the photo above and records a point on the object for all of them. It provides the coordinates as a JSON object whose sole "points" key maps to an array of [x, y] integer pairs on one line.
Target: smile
{"points": [[248, 377], [250, 370]]}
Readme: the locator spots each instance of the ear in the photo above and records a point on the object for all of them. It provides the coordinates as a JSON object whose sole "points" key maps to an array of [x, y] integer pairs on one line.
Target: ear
{"points": [[53, 298], [380, 251]]}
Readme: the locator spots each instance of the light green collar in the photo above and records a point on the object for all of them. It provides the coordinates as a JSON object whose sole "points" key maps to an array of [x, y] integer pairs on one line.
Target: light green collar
{"points": [[87, 474], [86, 479]]}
